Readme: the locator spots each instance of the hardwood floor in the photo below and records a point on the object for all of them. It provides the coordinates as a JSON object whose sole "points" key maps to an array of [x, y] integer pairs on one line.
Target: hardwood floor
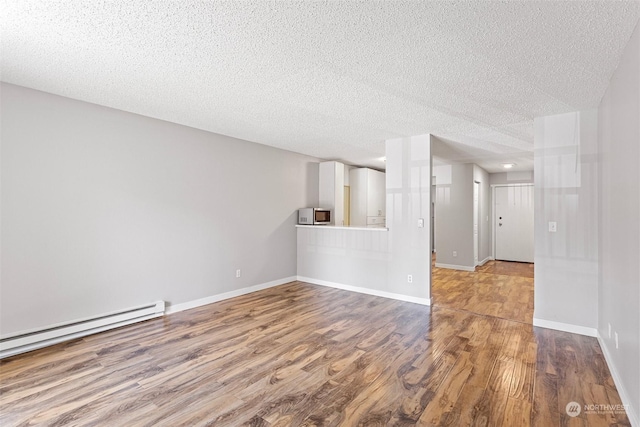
{"points": [[498, 288], [305, 355], [507, 268]]}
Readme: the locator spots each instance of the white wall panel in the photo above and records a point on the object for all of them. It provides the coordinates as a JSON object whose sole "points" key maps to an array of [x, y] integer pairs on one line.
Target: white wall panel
{"points": [[566, 190], [619, 255]]}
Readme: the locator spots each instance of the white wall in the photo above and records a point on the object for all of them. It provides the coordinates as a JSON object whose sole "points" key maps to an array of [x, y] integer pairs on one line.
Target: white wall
{"points": [[619, 231], [331, 190], [347, 168], [104, 210], [517, 177], [454, 215], [566, 189], [377, 261]]}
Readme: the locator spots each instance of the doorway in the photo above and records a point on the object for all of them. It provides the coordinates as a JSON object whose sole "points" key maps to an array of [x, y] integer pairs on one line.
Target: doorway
{"points": [[476, 222], [497, 288]]}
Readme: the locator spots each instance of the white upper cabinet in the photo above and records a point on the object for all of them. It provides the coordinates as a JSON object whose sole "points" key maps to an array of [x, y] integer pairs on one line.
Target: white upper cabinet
{"points": [[368, 197]]}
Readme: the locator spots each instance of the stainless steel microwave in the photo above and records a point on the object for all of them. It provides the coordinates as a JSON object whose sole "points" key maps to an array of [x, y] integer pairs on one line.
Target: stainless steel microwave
{"points": [[314, 216]]}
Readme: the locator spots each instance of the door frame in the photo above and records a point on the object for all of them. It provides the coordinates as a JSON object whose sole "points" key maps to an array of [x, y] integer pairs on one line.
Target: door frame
{"points": [[476, 223], [493, 211], [347, 205]]}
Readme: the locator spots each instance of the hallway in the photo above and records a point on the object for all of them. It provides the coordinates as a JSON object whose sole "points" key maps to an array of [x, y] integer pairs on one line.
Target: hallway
{"points": [[498, 288]]}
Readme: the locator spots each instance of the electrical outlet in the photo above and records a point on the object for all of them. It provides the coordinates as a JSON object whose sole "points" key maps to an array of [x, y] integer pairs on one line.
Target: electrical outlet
{"points": [[616, 340], [409, 278], [609, 330], [420, 222], [238, 273], [455, 253]]}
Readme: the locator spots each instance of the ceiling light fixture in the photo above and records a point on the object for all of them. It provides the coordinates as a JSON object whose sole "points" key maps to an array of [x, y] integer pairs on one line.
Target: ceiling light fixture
{"points": [[508, 165]]}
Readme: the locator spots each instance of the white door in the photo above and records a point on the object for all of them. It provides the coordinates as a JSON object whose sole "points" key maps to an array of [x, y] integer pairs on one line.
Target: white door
{"points": [[513, 228], [476, 242]]}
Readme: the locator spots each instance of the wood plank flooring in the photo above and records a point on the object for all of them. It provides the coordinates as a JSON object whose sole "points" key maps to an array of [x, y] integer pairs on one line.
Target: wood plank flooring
{"points": [[498, 288], [305, 355]]}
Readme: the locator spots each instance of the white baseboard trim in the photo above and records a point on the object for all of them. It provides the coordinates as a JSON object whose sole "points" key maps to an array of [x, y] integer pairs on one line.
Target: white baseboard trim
{"points": [[484, 261], [565, 327], [384, 294], [174, 308], [632, 412], [455, 267]]}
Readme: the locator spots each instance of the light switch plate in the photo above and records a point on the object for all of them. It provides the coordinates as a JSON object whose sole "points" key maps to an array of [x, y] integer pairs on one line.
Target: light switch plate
{"points": [[553, 227]]}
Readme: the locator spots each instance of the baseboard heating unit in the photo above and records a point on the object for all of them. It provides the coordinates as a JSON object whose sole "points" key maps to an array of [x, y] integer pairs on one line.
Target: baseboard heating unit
{"points": [[22, 342]]}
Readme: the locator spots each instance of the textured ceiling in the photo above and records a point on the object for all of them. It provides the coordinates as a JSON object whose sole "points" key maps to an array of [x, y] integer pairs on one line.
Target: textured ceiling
{"points": [[328, 79]]}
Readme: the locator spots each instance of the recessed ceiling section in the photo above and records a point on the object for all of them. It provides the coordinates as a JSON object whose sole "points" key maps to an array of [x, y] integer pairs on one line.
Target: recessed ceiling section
{"points": [[327, 79], [490, 157]]}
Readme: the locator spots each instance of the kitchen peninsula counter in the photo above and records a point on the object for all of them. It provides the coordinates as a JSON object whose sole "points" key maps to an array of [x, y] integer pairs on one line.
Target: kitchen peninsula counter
{"points": [[359, 259], [342, 227]]}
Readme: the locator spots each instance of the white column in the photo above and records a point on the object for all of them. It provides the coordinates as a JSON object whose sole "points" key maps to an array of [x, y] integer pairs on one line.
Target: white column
{"points": [[408, 202], [566, 194]]}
